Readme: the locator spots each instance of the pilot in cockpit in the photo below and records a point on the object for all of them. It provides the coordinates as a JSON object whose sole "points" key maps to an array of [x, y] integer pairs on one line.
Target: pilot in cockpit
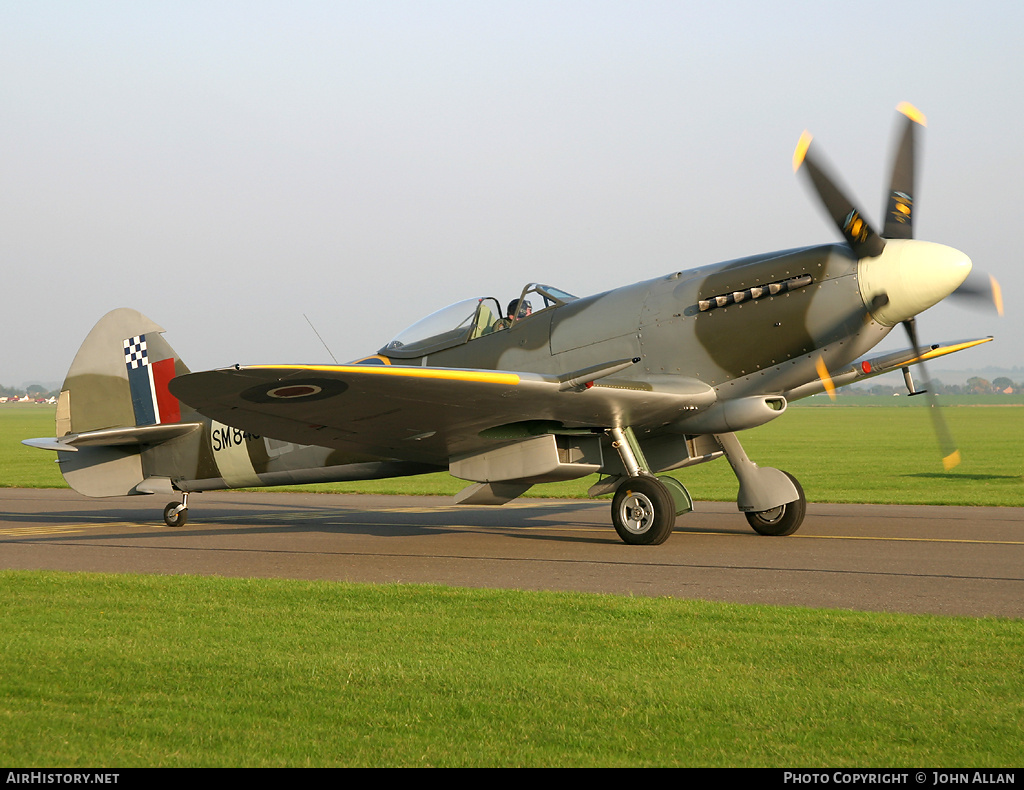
{"points": [[525, 309]]}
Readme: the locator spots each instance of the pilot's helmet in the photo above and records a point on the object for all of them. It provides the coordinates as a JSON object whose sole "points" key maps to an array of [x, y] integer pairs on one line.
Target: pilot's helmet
{"points": [[524, 309]]}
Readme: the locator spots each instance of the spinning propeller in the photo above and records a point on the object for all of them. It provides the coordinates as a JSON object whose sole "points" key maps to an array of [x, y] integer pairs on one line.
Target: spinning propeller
{"points": [[899, 277]]}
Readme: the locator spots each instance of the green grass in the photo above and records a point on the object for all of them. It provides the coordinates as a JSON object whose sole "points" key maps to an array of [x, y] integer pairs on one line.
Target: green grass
{"points": [[882, 454], [121, 671], [885, 455], [845, 398], [103, 670], [21, 466]]}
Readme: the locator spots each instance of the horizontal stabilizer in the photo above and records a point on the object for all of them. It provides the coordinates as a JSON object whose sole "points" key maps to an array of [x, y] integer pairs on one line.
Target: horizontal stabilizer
{"points": [[114, 437]]}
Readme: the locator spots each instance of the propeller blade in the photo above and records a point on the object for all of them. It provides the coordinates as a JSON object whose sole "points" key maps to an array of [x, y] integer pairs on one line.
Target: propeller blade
{"points": [[826, 379], [981, 290], [947, 445], [900, 204], [859, 234]]}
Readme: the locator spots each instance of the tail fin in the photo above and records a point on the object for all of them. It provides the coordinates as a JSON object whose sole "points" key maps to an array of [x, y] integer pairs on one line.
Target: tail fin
{"points": [[114, 403], [119, 377]]}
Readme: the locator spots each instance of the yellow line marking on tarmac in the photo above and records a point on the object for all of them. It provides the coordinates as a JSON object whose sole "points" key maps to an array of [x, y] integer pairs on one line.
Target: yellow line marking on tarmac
{"points": [[608, 528], [865, 537], [20, 532], [292, 516], [474, 527], [915, 540], [66, 529]]}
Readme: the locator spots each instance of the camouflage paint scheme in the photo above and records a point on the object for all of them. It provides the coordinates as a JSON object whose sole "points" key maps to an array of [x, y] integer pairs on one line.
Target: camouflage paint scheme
{"points": [[652, 376]]}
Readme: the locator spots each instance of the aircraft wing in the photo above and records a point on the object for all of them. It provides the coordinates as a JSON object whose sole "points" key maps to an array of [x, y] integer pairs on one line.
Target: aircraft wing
{"points": [[875, 366], [429, 414]]}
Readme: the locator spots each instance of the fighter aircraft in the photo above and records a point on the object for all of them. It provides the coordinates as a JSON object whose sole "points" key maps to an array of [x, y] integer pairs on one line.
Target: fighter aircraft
{"points": [[655, 376]]}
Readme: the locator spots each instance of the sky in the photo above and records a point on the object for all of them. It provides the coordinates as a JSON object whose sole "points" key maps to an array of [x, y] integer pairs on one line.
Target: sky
{"points": [[239, 170]]}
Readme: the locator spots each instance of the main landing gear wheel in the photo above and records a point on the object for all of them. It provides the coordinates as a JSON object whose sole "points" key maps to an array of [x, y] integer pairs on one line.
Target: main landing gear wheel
{"points": [[175, 517], [643, 511], [783, 520]]}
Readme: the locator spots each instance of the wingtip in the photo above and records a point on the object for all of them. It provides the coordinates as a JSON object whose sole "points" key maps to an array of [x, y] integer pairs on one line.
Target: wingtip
{"points": [[801, 149], [951, 460], [914, 114]]}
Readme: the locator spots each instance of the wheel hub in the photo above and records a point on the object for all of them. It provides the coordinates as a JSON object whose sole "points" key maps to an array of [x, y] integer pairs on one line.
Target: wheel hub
{"points": [[637, 513], [773, 515]]}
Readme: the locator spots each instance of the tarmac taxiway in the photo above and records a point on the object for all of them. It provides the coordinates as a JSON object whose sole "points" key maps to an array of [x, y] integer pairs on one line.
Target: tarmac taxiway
{"points": [[939, 560]]}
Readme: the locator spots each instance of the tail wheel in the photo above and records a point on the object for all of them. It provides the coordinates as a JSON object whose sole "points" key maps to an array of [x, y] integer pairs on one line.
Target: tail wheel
{"points": [[643, 511], [175, 515], [783, 520]]}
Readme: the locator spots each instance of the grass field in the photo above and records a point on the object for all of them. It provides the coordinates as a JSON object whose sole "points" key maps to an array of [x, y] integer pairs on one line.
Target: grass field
{"points": [[880, 454], [100, 670], [120, 671]]}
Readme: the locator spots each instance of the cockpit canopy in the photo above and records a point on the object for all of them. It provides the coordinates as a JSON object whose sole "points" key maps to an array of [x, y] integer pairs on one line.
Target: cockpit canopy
{"points": [[470, 319]]}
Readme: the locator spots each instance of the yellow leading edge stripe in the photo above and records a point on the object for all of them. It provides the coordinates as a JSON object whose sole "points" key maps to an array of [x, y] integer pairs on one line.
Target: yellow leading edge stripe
{"points": [[413, 373], [941, 352]]}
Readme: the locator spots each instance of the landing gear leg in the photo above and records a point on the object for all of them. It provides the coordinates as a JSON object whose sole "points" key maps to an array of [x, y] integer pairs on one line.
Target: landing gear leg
{"points": [[643, 510], [175, 514], [772, 500]]}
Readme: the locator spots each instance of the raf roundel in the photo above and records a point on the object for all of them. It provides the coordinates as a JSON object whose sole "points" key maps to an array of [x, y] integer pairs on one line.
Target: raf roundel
{"points": [[295, 391], [303, 390]]}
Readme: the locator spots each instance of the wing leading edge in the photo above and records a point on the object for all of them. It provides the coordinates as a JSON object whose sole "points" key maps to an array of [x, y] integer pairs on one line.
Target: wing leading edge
{"points": [[876, 366]]}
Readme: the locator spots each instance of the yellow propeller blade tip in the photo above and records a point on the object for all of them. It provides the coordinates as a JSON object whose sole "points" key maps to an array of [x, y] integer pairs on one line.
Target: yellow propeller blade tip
{"points": [[997, 294], [912, 113], [826, 379], [801, 149], [951, 460]]}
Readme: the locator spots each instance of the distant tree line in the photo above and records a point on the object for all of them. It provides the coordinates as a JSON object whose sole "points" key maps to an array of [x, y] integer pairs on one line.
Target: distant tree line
{"points": [[32, 390], [975, 385]]}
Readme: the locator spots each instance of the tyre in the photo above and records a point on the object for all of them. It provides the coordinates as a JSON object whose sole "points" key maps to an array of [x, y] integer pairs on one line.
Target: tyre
{"points": [[783, 520], [175, 519], [643, 511]]}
